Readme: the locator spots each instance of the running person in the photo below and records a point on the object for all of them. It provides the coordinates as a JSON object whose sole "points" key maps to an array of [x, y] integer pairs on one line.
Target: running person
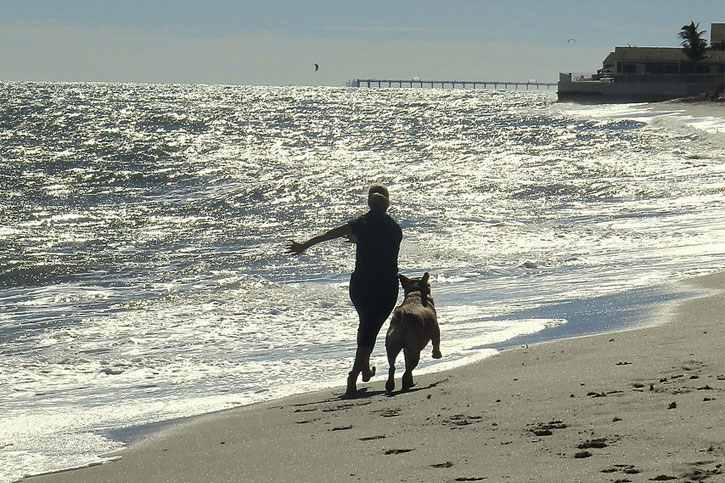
{"points": [[374, 283]]}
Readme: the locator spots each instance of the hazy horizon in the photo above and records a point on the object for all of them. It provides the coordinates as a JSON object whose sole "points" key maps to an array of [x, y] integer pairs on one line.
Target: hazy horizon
{"points": [[255, 42]]}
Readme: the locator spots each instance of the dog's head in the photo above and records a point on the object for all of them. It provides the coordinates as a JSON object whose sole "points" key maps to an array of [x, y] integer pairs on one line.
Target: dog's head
{"points": [[417, 284]]}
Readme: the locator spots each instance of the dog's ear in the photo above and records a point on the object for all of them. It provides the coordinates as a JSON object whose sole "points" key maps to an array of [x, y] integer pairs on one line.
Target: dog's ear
{"points": [[426, 276]]}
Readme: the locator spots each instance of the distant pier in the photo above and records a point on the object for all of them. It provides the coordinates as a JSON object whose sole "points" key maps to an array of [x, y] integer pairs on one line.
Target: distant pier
{"points": [[453, 84]]}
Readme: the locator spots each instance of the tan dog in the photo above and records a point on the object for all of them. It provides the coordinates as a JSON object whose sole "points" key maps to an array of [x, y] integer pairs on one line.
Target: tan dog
{"points": [[413, 324]]}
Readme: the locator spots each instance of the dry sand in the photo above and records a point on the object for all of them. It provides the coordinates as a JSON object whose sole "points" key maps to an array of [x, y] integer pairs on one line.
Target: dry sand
{"points": [[691, 108], [641, 405]]}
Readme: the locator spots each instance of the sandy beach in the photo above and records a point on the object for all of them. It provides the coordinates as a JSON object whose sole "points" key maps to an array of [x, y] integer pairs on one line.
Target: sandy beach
{"points": [[690, 108], [635, 406]]}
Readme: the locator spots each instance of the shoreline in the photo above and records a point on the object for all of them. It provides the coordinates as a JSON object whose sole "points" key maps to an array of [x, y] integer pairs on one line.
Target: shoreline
{"points": [[584, 408]]}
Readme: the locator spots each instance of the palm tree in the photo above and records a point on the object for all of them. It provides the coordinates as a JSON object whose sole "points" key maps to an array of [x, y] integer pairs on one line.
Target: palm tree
{"points": [[692, 42]]}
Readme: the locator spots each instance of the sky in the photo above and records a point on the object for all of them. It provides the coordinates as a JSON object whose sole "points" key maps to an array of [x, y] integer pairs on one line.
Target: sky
{"points": [[277, 42]]}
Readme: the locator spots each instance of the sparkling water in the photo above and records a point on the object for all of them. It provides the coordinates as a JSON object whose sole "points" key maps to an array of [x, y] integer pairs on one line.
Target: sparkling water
{"points": [[142, 229]]}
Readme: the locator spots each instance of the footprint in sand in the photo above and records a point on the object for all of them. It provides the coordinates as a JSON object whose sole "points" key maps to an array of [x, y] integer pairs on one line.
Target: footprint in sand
{"points": [[626, 469], [545, 429], [597, 443], [459, 420], [390, 413]]}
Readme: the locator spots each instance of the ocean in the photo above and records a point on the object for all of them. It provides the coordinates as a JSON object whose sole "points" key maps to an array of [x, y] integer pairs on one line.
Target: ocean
{"points": [[142, 230]]}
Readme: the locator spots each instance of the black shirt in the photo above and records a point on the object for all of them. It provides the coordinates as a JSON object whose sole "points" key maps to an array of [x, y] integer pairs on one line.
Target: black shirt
{"points": [[378, 244]]}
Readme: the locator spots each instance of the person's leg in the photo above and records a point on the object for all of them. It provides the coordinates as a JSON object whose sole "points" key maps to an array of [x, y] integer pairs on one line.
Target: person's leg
{"points": [[373, 307], [362, 360], [364, 302]]}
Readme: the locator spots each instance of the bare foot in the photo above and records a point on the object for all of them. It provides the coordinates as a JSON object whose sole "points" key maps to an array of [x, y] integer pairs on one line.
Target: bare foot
{"points": [[366, 375], [351, 386]]}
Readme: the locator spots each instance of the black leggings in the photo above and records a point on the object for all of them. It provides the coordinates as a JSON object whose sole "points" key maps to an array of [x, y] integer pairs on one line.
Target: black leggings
{"points": [[374, 298]]}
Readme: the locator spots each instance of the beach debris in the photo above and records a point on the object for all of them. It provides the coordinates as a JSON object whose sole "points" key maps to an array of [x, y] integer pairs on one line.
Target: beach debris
{"points": [[341, 428], [307, 421], [372, 438], [597, 394], [398, 451], [603, 393], [673, 405], [305, 410], [447, 464], [468, 478]]}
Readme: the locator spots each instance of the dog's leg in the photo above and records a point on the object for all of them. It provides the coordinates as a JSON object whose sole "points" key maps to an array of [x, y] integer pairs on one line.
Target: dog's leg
{"points": [[411, 361], [436, 340], [393, 350]]}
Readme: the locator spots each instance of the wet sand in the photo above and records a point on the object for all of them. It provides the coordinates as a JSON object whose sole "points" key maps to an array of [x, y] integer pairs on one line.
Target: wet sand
{"points": [[635, 406]]}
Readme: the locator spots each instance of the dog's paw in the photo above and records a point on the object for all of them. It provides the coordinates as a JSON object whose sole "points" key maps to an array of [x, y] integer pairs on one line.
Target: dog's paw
{"points": [[437, 354]]}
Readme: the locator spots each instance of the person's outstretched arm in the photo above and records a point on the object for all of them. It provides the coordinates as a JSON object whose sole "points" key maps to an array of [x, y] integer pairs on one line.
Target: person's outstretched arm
{"points": [[295, 248]]}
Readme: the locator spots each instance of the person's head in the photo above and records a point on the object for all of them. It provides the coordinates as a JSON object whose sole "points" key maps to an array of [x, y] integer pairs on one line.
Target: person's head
{"points": [[378, 198]]}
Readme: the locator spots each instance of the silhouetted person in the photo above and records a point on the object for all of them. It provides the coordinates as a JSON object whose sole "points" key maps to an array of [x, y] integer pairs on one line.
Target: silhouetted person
{"points": [[374, 283]]}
